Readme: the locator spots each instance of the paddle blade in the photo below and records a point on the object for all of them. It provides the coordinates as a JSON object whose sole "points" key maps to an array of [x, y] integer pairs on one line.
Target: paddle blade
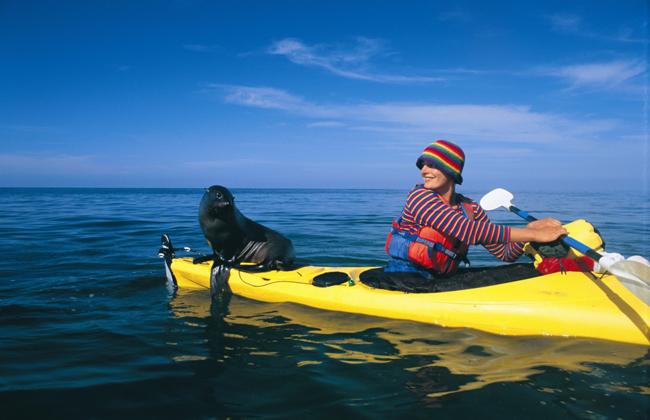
{"points": [[635, 276], [496, 198]]}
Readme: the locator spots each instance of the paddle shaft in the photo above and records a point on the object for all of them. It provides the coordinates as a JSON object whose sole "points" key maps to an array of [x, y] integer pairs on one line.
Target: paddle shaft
{"points": [[573, 243]]}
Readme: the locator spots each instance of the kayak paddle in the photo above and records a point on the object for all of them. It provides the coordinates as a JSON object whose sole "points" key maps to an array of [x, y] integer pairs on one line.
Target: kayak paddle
{"points": [[635, 276]]}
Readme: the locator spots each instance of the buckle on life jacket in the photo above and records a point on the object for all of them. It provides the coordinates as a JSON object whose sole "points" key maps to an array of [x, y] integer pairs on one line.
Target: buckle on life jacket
{"points": [[453, 256]]}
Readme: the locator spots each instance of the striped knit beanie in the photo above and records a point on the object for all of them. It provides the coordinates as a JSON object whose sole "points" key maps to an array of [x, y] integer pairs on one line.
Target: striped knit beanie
{"points": [[445, 156]]}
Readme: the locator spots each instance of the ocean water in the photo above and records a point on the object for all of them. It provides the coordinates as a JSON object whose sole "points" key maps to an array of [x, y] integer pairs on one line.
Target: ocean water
{"points": [[89, 329]]}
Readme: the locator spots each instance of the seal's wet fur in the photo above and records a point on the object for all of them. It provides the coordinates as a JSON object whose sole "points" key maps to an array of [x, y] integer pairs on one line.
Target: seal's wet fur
{"points": [[238, 239]]}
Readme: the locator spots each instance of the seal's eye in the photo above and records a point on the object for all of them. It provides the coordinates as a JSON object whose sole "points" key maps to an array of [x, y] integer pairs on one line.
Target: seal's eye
{"points": [[218, 195]]}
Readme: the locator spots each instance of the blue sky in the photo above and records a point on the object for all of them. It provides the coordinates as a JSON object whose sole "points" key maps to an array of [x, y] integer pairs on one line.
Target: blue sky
{"points": [[541, 95]]}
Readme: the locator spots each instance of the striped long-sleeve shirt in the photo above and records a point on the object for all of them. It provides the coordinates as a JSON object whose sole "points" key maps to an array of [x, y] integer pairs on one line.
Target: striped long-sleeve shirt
{"points": [[425, 208]]}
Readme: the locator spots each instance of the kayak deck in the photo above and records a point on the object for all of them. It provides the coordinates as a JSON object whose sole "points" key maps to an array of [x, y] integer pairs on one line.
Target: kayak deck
{"points": [[572, 304]]}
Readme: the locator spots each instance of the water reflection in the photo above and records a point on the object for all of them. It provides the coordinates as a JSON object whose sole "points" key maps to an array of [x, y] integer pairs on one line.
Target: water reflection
{"points": [[435, 361]]}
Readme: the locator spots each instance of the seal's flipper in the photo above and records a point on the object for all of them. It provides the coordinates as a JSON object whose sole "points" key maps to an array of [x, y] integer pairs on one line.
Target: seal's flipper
{"points": [[219, 275], [284, 265], [202, 259], [166, 252]]}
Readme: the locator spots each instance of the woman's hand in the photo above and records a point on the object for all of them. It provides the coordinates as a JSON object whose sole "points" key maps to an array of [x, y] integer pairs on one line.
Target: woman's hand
{"points": [[546, 231], [542, 223]]}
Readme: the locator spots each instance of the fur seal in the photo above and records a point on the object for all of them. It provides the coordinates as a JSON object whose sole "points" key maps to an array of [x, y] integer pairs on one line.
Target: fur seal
{"points": [[236, 238]]}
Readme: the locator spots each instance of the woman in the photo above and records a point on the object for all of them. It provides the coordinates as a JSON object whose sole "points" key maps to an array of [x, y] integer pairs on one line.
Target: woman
{"points": [[437, 224]]}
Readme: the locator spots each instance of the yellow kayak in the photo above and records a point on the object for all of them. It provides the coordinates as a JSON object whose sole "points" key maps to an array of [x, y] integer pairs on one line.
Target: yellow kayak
{"points": [[572, 304]]}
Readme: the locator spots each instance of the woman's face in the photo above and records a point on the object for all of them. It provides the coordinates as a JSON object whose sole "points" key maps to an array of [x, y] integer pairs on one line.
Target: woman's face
{"points": [[434, 178]]}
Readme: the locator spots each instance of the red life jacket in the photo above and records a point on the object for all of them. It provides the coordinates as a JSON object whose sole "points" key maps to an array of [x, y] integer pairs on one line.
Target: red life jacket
{"points": [[429, 248]]}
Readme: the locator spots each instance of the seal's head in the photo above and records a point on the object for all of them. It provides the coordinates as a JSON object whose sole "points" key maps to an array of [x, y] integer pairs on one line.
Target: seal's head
{"points": [[216, 215], [217, 200]]}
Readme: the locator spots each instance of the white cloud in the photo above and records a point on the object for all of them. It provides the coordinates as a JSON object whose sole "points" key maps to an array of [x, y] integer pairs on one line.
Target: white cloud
{"points": [[351, 63], [228, 163], [201, 48], [455, 15], [502, 153], [271, 98], [58, 163], [326, 124], [55, 164], [21, 128], [503, 123], [564, 23], [603, 75], [572, 24]]}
